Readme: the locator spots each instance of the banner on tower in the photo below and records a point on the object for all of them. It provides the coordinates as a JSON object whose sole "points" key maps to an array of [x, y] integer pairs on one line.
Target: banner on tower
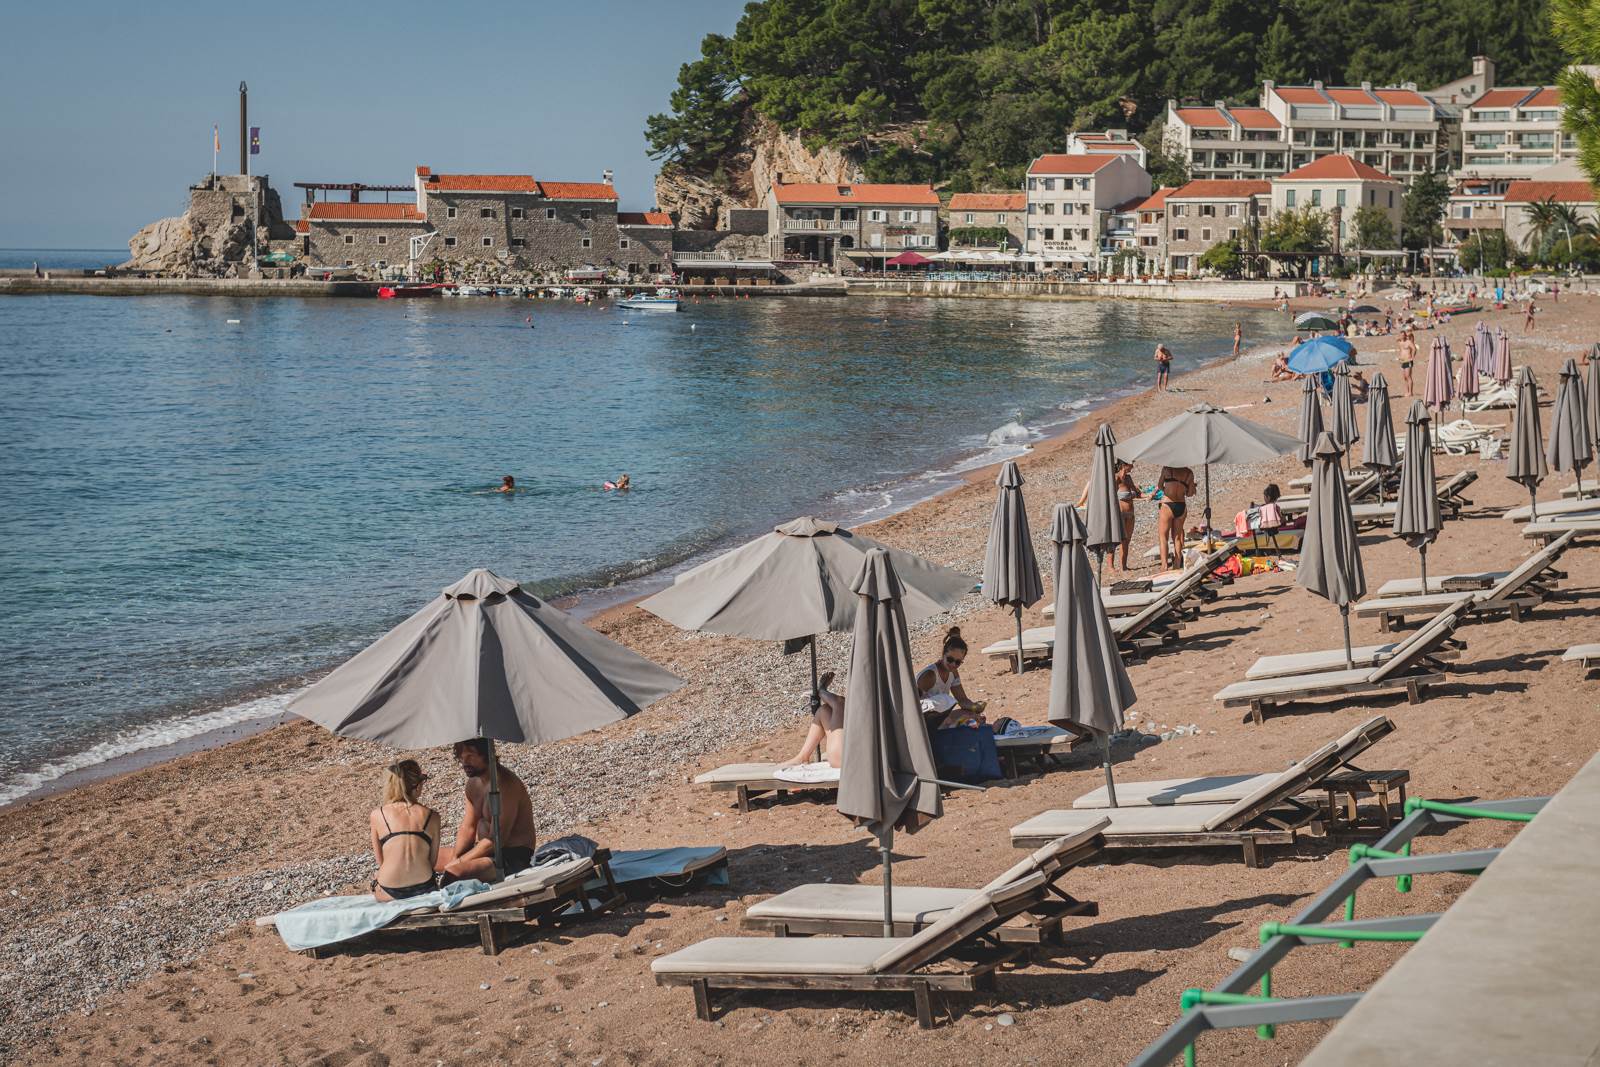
{"points": [[255, 140]]}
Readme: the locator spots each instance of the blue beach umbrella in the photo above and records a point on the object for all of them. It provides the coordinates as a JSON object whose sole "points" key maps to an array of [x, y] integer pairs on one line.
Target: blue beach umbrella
{"points": [[1320, 354]]}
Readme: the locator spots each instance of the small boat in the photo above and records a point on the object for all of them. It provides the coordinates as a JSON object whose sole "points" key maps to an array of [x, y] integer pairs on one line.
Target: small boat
{"points": [[582, 295], [586, 273], [473, 290], [649, 303], [401, 290]]}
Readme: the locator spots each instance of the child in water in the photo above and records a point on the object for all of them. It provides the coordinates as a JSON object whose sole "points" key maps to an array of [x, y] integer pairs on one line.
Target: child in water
{"points": [[508, 484]]}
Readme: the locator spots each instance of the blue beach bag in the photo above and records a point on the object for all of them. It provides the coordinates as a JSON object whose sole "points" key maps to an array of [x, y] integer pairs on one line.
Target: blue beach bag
{"points": [[966, 753]]}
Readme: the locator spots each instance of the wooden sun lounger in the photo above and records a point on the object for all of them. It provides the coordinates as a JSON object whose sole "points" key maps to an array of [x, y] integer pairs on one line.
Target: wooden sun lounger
{"points": [[958, 953], [1519, 590], [1271, 814], [1444, 583], [1358, 491], [1451, 502], [1591, 489], [1412, 667], [1549, 530], [1586, 656], [1303, 481], [1555, 509], [1188, 585], [857, 910]]}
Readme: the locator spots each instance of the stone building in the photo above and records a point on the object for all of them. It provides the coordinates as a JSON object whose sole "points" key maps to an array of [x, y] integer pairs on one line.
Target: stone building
{"points": [[1340, 186], [850, 224], [226, 216], [978, 219], [375, 239], [644, 240], [1070, 199], [1203, 214], [1150, 232], [1577, 193]]}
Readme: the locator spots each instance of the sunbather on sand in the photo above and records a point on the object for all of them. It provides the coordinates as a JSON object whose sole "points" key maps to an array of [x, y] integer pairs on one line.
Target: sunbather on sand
{"points": [[827, 727], [1280, 369], [472, 854], [405, 835], [939, 686]]}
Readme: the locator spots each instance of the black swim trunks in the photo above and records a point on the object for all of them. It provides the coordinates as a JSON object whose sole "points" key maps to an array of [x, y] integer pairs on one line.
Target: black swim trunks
{"points": [[518, 858], [1178, 507]]}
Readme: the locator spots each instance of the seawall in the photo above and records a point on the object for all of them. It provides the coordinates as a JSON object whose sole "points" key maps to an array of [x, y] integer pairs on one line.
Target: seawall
{"points": [[102, 286], [1011, 289]]}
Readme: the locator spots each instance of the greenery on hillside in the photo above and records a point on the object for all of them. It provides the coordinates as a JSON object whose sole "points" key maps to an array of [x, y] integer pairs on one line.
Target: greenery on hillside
{"points": [[976, 88]]}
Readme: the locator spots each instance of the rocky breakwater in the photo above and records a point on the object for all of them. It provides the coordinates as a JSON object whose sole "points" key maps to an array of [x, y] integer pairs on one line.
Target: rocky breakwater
{"points": [[212, 238]]}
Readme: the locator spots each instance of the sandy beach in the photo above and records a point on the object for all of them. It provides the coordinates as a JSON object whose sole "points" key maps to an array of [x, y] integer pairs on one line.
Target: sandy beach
{"points": [[128, 936]]}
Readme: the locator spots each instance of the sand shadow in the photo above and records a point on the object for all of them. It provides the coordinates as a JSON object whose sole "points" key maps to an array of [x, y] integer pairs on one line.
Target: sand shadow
{"points": [[1163, 931]]}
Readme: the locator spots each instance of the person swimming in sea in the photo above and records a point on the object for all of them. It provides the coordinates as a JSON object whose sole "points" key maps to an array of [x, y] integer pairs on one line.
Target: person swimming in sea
{"points": [[508, 484]]}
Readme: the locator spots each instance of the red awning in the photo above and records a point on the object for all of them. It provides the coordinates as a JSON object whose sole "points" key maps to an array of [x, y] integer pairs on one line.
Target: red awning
{"points": [[908, 259]]}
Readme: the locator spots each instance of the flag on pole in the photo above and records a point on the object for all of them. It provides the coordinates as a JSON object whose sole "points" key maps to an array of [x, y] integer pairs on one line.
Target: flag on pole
{"points": [[255, 140], [216, 139]]}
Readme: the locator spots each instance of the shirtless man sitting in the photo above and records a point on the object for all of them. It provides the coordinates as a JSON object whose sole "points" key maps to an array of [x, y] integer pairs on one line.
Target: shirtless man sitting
{"points": [[472, 854]]}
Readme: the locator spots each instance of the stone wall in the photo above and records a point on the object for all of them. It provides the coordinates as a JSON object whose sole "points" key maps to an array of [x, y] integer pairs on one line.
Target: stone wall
{"points": [[649, 249], [363, 245], [550, 234], [212, 236], [732, 245]]}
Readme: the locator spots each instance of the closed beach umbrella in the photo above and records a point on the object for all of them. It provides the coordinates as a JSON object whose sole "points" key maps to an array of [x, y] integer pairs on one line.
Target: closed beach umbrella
{"points": [[1591, 401], [1483, 349], [484, 659], [1104, 514], [1204, 435], [1089, 686], [1010, 570], [1525, 462], [1570, 447], [1330, 560], [1502, 358], [887, 776], [1310, 427], [1438, 388], [1416, 515], [1319, 354], [1343, 409], [1378, 451], [793, 584], [1467, 381]]}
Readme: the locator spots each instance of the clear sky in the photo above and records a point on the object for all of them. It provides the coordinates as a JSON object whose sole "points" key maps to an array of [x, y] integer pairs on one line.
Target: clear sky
{"points": [[108, 107]]}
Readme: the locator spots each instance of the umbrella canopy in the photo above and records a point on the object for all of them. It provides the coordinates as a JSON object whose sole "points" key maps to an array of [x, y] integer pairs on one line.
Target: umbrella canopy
{"points": [[1591, 401], [1364, 309], [1089, 686], [1344, 426], [1416, 516], [1315, 320], [1105, 516], [1525, 460], [1010, 569], [1319, 354], [908, 259], [1438, 388], [1483, 347], [1330, 559], [1310, 427], [1570, 447], [1502, 357], [1467, 380], [1379, 452], [795, 582], [484, 659], [887, 776]]}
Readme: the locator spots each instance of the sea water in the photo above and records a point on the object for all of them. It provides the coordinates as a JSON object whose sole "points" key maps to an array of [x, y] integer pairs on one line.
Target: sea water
{"points": [[206, 498]]}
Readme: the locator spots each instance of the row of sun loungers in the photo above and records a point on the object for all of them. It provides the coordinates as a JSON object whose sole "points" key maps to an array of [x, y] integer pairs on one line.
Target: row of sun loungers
{"points": [[1514, 591]]}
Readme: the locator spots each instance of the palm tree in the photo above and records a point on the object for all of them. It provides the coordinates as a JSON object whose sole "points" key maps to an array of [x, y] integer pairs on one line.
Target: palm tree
{"points": [[1544, 222]]}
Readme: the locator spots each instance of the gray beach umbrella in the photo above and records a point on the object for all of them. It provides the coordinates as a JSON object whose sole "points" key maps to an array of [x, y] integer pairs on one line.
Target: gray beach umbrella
{"points": [[1344, 428], [1570, 447], [887, 776], [1525, 462], [1204, 435], [1416, 515], [1089, 686], [1104, 514], [1330, 558], [1467, 381], [1591, 401], [1438, 387], [1377, 451], [1010, 569], [1310, 419], [794, 583], [484, 659]]}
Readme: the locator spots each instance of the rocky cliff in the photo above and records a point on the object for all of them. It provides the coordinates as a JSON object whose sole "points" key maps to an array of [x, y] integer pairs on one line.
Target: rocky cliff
{"points": [[212, 236]]}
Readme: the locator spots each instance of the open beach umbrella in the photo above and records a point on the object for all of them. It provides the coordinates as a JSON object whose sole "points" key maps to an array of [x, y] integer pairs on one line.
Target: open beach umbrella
{"points": [[1364, 309], [484, 659], [887, 774], [1467, 380], [1315, 320], [1089, 686], [1591, 401], [1525, 462], [794, 583], [1205, 434], [1378, 452], [1104, 514], [1310, 426], [1502, 358], [1319, 354], [1010, 569], [1416, 515], [1438, 387], [1343, 413], [1330, 559], [1570, 447]]}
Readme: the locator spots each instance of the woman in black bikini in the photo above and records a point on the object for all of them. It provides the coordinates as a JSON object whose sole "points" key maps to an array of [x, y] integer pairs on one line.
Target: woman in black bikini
{"points": [[405, 836], [1176, 485]]}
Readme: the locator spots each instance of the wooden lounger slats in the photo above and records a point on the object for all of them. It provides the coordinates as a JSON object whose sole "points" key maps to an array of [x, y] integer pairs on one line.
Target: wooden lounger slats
{"points": [[1516, 591]]}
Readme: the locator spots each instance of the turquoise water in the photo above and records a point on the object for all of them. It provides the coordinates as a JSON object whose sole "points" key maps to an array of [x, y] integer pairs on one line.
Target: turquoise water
{"points": [[196, 509], [62, 258]]}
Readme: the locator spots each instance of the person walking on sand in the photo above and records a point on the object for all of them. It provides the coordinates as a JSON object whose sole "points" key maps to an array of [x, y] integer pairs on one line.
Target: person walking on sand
{"points": [[1527, 316], [1406, 349], [1163, 367], [1127, 493], [1238, 338]]}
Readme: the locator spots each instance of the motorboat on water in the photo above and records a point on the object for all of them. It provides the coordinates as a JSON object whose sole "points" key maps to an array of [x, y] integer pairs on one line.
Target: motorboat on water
{"points": [[663, 300]]}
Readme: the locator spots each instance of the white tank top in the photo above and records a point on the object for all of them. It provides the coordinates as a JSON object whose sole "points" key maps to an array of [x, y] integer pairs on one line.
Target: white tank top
{"points": [[941, 686]]}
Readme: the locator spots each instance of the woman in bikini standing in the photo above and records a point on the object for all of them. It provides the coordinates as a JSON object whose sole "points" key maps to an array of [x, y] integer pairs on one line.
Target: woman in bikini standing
{"points": [[1176, 484], [405, 835], [1407, 350], [1127, 493]]}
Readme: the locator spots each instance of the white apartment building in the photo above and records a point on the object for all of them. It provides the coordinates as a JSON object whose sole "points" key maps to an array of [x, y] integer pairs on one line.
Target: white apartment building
{"points": [[1394, 130], [1070, 199], [1339, 186], [1221, 142], [1510, 133], [1109, 143]]}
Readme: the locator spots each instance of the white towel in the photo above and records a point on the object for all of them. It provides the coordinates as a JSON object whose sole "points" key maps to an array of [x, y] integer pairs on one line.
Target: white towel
{"points": [[807, 773]]}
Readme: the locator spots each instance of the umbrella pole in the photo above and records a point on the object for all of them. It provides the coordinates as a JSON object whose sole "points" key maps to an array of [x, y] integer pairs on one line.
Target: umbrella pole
{"points": [[1533, 503], [1344, 615], [1100, 556], [1111, 785], [1207, 538], [1423, 551], [885, 844], [1019, 638], [816, 689], [494, 807]]}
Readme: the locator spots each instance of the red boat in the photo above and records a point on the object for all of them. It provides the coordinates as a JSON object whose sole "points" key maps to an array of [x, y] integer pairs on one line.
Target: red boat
{"points": [[392, 292]]}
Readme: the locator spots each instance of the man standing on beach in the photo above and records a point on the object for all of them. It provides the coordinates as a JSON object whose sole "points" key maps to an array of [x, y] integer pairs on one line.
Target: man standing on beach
{"points": [[472, 854], [1163, 367]]}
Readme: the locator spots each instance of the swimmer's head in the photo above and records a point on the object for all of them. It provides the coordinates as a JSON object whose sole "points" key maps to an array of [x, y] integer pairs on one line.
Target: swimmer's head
{"points": [[508, 482]]}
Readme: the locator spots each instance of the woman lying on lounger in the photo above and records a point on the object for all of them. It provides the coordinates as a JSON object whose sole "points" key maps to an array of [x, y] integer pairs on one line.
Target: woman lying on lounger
{"points": [[405, 835], [827, 727]]}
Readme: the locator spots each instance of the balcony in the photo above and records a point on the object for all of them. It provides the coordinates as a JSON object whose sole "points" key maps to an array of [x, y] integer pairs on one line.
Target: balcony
{"points": [[812, 225]]}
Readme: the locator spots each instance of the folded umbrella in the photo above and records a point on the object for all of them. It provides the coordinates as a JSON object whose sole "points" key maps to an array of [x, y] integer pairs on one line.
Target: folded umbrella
{"points": [[1438, 387], [1525, 461], [1330, 558], [1378, 451], [1417, 520], [1310, 426], [1343, 409], [1467, 381], [1502, 358], [1570, 447], [1483, 349], [1104, 512], [1591, 401], [1010, 569]]}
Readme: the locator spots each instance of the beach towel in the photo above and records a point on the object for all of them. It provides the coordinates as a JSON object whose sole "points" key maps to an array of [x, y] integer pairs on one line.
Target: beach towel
{"points": [[562, 850], [807, 773], [333, 919], [673, 867], [1013, 728]]}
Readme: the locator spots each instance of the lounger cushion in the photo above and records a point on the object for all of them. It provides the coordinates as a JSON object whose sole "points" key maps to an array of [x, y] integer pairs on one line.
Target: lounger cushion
{"points": [[859, 903], [743, 772], [1278, 687], [898, 956], [1553, 508], [1216, 789], [529, 881], [777, 955], [1172, 819], [1313, 662], [1413, 586], [1581, 652]]}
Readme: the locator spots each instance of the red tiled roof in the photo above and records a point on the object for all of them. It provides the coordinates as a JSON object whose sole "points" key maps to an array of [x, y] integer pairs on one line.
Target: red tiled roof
{"points": [[1298, 94], [1205, 117], [1335, 168], [302, 226], [1220, 189], [1255, 118], [849, 193], [989, 202], [1528, 192], [478, 183], [1352, 97], [1546, 97], [1058, 163], [577, 191], [1111, 146], [1157, 199], [1501, 98], [332, 210], [643, 218], [1401, 97]]}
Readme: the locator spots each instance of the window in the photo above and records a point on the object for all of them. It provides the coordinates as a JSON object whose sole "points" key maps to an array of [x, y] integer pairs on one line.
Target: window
{"points": [[908, 216], [587, 243], [1031, 206], [1338, 197], [1208, 211], [1000, 220], [1049, 185], [1033, 184], [1233, 211], [1205, 233], [1391, 198], [586, 214], [1049, 208], [349, 239], [930, 215], [518, 242], [1316, 198], [449, 212], [1049, 233], [488, 242], [1372, 197], [1033, 234], [622, 242], [549, 213], [486, 212], [875, 240], [383, 238], [1180, 235], [877, 215], [516, 213], [449, 242], [349, 262], [847, 214], [1233, 233], [1179, 210], [1288, 198], [969, 218], [927, 240]]}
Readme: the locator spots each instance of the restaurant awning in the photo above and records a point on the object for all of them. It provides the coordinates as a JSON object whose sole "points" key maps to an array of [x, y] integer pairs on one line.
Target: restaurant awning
{"points": [[909, 258]]}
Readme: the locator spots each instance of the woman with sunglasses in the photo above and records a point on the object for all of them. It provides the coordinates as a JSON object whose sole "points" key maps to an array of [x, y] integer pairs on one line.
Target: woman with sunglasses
{"points": [[939, 686]]}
